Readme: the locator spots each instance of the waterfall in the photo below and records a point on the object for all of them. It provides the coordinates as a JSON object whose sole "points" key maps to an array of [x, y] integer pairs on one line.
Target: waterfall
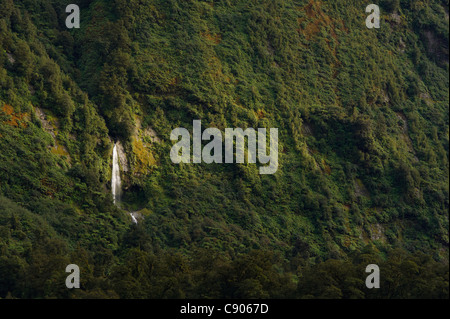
{"points": [[116, 183]]}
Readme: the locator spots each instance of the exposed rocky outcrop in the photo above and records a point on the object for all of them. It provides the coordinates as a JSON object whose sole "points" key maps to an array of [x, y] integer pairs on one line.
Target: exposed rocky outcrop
{"points": [[122, 157], [10, 58]]}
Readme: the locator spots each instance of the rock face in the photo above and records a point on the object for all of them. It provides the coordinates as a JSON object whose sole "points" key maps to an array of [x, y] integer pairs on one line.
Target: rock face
{"points": [[122, 157], [149, 132], [377, 232], [10, 58], [141, 157], [45, 123], [360, 189], [395, 17]]}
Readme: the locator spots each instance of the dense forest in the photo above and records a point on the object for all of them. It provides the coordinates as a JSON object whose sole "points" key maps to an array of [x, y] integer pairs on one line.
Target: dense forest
{"points": [[363, 122]]}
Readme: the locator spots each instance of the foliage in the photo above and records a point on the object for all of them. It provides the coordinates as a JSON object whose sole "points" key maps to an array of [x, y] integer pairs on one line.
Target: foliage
{"points": [[363, 163]]}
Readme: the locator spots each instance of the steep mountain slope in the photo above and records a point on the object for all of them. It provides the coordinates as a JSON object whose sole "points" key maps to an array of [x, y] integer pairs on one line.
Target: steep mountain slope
{"points": [[363, 125]]}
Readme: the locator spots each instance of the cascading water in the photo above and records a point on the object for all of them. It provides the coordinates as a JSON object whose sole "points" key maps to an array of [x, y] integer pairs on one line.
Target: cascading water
{"points": [[116, 183]]}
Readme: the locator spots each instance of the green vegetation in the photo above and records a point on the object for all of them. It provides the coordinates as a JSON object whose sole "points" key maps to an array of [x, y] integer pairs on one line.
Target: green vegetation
{"points": [[363, 165]]}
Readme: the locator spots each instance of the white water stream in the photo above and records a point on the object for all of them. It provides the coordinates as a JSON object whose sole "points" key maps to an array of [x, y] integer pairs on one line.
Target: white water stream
{"points": [[116, 182]]}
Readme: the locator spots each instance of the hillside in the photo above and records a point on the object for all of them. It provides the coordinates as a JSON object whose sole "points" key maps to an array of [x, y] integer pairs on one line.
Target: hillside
{"points": [[363, 163]]}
